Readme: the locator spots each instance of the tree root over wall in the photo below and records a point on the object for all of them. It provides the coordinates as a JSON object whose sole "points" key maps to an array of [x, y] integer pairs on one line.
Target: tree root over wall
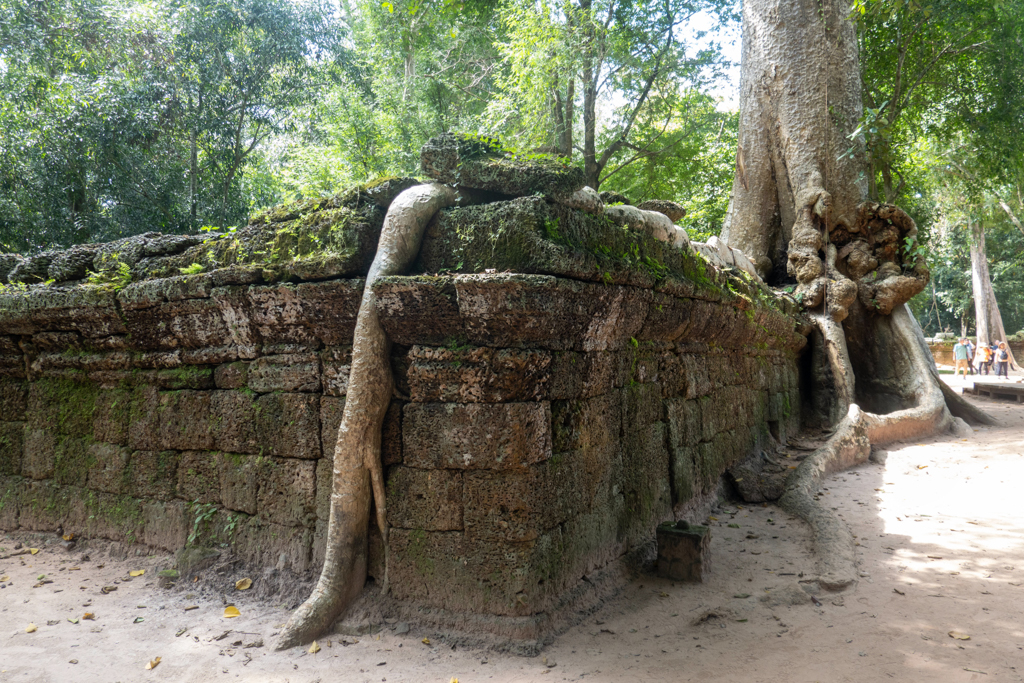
{"points": [[357, 457]]}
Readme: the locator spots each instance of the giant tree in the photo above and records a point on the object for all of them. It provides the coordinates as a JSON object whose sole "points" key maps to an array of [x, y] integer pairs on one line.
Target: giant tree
{"points": [[800, 209]]}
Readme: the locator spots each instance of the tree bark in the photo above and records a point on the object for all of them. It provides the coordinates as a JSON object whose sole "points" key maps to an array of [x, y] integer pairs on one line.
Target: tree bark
{"points": [[799, 209], [357, 458], [987, 319]]}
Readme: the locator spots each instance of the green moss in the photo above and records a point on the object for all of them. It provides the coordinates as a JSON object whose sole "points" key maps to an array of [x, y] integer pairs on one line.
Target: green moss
{"points": [[417, 551], [71, 403]]}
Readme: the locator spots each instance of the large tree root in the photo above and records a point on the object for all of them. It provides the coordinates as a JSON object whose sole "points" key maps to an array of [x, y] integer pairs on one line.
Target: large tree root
{"points": [[833, 542], [851, 442], [357, 463]]}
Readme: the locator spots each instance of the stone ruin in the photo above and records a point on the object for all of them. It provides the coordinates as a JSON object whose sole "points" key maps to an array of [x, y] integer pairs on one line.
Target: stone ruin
{"points": [[567, 378]]}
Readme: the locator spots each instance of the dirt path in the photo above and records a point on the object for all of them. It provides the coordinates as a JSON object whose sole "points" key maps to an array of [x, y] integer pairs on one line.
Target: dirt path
{"points": [[941, 550]]}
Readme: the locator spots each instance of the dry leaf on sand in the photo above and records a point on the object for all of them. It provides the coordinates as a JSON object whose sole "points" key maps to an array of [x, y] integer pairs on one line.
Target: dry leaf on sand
{"points": [[31, 628], [33, 550], [958, 635], [136, 572], [243, 584], [151, 664], [231, 611], [314, 648]]}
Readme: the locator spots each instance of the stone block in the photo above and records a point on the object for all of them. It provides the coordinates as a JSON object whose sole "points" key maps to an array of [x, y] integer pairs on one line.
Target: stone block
{"points": [[477, 374], [335, 366], [711, 460], [330, 308], [684, 551], [588, 423], [641, 404], [233, 375], [324, 487], [153, 474], [576, 374], [424, 499], [234, 421], [13, 400], [110, 420], [189, 323], [645, 478], [198, 477], [505, 436], [685, 423], [12, 445], [10, 501], [63, 405], [238, 481], [108, 471], [444, 569], [265, 544], [685, 482], [295, 372], [668, 319], [72, 461], [185, 420], [521, 506], [165, 525], [185, 377], [289, 425], [287, 492], [143, 420], [40, 452]]}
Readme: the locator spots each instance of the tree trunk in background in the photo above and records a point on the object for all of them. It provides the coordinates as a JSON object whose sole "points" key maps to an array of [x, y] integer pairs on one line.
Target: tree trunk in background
{"points": [[988, 321], [795, 56], [799, 209]]}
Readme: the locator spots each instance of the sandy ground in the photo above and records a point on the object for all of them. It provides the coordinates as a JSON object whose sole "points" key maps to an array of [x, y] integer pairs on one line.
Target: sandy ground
{"points": [[941, 550]]}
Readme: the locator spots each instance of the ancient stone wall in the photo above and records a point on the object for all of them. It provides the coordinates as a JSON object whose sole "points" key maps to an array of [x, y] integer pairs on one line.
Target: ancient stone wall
{"points": [[546, 418]]}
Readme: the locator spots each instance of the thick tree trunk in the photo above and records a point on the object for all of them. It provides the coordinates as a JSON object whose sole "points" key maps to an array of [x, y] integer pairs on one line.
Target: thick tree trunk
{"points": [[799, 209], [988, 320], [357, 463]]}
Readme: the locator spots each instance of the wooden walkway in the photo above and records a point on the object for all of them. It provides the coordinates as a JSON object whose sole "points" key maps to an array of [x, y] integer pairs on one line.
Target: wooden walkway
{"points": [[1011, 391]]}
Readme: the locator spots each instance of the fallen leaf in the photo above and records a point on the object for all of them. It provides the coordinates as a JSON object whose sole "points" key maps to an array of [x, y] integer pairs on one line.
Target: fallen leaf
{"points": [[180, 632], [152, 663], [921, 467], [715, 519], [734, 526], [89, 615], [959, 636], [33, 550], [73, 621], [138, 620], [231, 611], [897, 591], [742, 595], [108, 589], [137, 572], [935, 557], [243, 584], [426, 641], [72, 661], [74, 569], [31, 628], [314, 648], [454, 680], [68, 537]]}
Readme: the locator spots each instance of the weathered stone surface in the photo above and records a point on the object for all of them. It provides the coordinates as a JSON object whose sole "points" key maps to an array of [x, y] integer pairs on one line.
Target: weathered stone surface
{"points": [[12, 445], [185, 420], [153, 474], [189, 323], [674, 211], [89, 311], [63, 405], [684, 551], [108, 468], [582, 374], [289, 425], [110, 419], [198, 477], [645, 479], [504, 436], [265, 544], [13, 400], [165, 525], [477, 375], [586, 424], [425, 499], [287, 491], [40, 450], [73, 459], [298, 372], [335, 366], [482, 164], [238, 481], [233, 375]]}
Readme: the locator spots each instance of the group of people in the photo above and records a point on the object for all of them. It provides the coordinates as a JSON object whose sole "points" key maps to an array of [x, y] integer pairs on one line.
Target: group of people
{"points": [[965, 353]]}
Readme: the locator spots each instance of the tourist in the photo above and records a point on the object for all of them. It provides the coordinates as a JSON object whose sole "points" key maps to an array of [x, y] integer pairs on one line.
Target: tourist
{"points": [[970, 355], [1002, 361], [985, 363], [960, 356]]}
